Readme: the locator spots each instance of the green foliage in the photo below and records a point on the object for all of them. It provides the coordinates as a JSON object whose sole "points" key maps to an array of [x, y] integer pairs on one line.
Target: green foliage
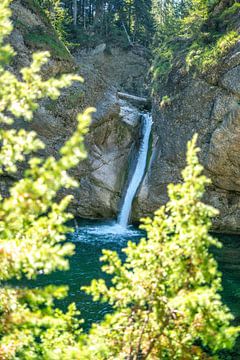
{"points": [[120, 22], [32, 225], [200, 37], [58, 17], [209, 45], [42, 40], [166, 294], [204, 57], [29, 324], [166, 101], [163, 62], [5, 28], [168, 17], [43, 37]]}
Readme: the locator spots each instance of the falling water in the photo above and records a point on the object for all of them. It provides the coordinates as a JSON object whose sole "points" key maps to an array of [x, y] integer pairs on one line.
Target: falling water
{"points": [[138, 173]]}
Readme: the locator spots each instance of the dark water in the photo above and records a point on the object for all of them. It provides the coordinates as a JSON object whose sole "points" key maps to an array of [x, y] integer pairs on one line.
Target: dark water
{"points": [[91, 237], [228, 258]]}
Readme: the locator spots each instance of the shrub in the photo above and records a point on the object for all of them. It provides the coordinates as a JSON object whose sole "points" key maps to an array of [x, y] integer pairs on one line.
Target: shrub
{"points": [[166, 294], [32, 225]]}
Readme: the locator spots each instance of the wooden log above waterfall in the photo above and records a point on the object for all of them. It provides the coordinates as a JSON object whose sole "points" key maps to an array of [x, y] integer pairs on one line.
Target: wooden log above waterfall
{"points": [[141, 102]]}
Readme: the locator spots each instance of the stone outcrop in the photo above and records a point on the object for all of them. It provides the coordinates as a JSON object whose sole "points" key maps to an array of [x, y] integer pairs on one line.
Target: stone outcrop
{"points": [[209, 105]]}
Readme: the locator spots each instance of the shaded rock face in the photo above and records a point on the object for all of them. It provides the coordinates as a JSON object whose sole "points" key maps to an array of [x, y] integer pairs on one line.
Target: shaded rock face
{"points": [[111, 143], [113, 137], [205, 104], [124, 70], [208, 105]]}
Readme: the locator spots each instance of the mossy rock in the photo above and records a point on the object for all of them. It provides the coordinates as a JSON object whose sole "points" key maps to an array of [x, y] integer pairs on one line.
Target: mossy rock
{"points": [[38, 39], [34, 6], [42, 36], [202, 51], [76, 98]]}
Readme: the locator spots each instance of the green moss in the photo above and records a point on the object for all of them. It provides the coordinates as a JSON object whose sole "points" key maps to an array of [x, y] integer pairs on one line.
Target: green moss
{"points": [[51, 105], [38, 39], [75, 98], [204, 57], [42, 37], [34, 6], [199, 40], [20, 25]]}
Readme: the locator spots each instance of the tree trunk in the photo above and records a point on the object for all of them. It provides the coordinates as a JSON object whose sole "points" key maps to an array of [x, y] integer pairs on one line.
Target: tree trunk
{"points": [[135, 100], [127, 35], [75, 13]]}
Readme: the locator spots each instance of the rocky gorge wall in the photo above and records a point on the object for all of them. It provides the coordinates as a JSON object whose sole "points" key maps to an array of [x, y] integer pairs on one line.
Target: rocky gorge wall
{"points": [[208, 105], [114, 133]]}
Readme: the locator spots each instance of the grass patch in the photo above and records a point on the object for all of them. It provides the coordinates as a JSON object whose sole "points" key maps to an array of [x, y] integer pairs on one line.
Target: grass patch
{"points": [[197, 42], [75, 99], [205, 57], [21, 25], [45, 41], [34, 6], [43, 37]]}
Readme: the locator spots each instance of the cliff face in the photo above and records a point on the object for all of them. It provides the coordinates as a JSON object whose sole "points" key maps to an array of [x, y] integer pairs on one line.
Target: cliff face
{"points": [[207, 104], [113, 135], [204, 103]]}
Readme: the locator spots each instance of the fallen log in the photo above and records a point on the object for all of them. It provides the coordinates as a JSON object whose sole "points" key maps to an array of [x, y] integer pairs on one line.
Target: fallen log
{"points": [[135, 100]]}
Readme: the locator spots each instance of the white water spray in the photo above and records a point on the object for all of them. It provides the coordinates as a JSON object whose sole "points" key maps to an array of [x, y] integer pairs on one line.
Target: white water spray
{"points": [[138, 173]]}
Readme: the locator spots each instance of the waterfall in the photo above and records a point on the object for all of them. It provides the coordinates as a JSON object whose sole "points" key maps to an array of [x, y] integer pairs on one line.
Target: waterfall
{"points": [[138, 172]]}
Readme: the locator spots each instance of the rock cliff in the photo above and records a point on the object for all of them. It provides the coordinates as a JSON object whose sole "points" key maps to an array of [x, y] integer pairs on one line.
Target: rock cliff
{"points": [[209, 105], [114, 133], [204, 103]]}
